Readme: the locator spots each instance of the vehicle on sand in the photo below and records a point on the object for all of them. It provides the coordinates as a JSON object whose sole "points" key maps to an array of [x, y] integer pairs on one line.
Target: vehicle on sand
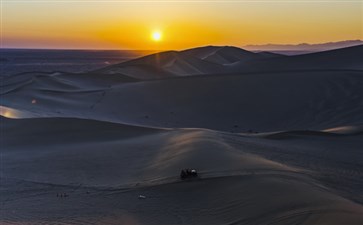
{"points": [[188, 173]]}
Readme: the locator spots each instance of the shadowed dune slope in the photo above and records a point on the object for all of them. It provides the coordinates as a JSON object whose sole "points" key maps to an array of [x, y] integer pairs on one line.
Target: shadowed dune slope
{"points": [[244, 180], [239, 103], [196, 61], [338, 59], [214, 60], [223, 55], [164, 64], [127, 154]]}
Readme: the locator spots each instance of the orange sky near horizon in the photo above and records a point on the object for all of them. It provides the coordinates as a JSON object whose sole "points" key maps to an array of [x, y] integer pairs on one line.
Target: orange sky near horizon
{"points": [[121, 24]]}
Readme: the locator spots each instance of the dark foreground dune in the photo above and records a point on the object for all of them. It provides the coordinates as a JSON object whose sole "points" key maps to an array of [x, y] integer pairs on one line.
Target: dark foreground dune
{"points": [[278, 147]]}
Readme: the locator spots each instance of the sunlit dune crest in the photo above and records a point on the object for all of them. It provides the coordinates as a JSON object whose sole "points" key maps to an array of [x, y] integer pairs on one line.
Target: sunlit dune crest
{"points": [[14, 113], [8, 112]]}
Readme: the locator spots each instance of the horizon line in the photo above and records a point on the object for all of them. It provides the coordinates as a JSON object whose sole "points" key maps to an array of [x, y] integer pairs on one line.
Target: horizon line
{"points": [[156, 50]]}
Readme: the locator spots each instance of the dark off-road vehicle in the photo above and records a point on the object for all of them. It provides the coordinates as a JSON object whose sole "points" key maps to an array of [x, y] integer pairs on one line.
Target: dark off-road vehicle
{"points": [[188, 173]]}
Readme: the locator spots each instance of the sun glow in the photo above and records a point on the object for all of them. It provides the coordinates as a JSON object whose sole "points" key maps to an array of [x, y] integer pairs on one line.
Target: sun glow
{"points": [[156, 36], [164, 26]]}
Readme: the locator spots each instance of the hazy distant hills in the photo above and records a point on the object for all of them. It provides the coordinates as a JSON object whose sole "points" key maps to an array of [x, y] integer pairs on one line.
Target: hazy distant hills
{"points": [[304, 46]]}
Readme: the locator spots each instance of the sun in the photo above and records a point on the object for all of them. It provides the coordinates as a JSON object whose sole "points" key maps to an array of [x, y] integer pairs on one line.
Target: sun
{"points": [[156, 36]]}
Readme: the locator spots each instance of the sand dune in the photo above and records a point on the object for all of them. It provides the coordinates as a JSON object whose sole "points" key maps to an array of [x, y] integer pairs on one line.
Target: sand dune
{"points": [[239, 103], [218, 60], [115, 163], [275, 139], [338, 59], [197, 61], [161, 65], [223, 55]]}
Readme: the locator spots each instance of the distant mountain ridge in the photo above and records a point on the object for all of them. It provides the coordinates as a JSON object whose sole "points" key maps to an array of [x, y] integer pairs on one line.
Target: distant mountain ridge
{"points": [[304, 46]]}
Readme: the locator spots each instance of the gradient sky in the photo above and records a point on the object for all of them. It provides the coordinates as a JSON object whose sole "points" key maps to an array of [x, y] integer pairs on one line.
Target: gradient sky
{"points": [[113, 24]]}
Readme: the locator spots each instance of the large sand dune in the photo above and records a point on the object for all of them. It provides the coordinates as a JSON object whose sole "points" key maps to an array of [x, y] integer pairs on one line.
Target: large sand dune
{"points": [[278, 146], [104, 167], [217, 60], [238, 102], [197, 61]]}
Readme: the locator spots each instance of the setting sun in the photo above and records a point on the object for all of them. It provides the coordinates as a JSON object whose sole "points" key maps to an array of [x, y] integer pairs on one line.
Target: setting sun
{"points": [[156, 36], [165, 26]]}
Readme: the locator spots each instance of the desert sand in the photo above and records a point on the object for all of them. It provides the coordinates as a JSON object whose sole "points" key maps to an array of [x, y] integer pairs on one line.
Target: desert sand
{"points": [[275, 139]]}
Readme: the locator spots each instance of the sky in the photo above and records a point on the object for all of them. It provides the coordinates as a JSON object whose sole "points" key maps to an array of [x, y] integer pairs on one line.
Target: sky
{"points": [[120, 24]]}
